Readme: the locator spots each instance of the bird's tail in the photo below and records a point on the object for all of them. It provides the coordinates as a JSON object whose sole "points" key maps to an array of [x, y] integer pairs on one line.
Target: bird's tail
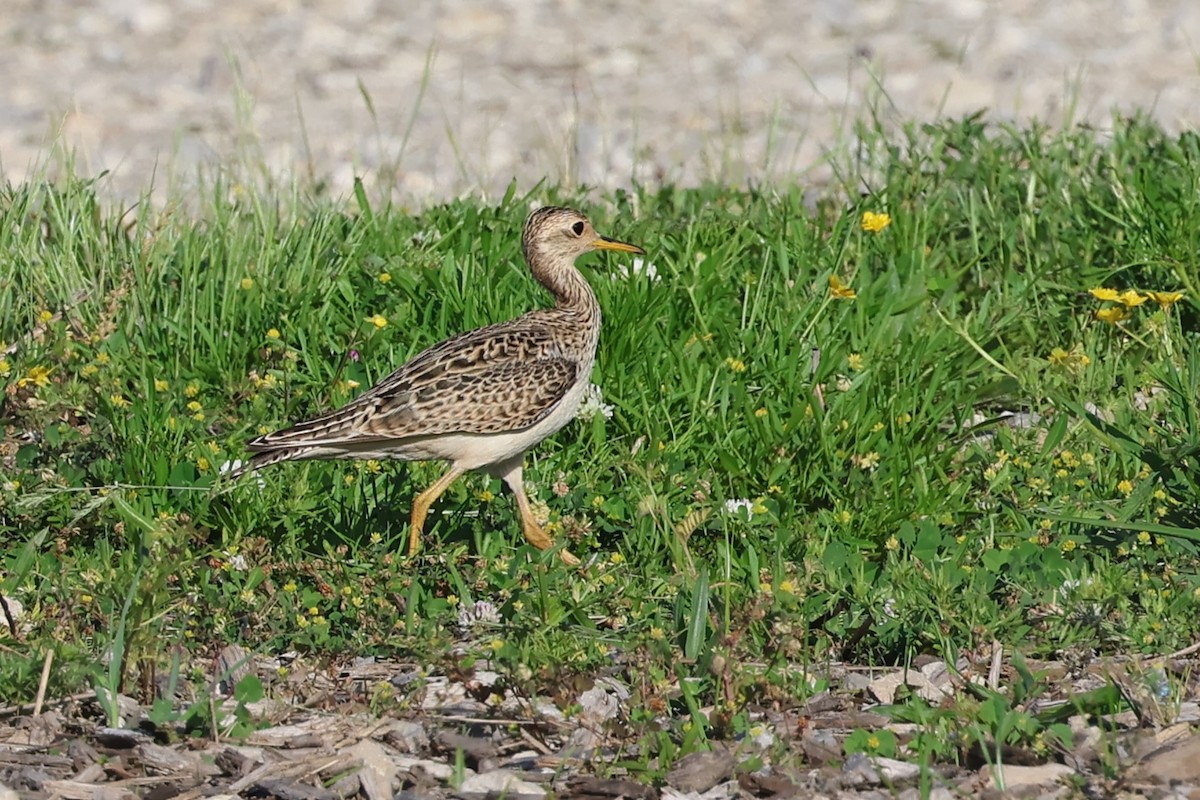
{"points": [[258, 461]]}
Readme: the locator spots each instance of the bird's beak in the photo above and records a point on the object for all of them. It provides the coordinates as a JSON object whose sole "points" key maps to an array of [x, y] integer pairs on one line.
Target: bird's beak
{"points": [[605, 243]]}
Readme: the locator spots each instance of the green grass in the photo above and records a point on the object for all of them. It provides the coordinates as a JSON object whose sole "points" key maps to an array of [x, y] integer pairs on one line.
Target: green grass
{"points": [[145, 349]]}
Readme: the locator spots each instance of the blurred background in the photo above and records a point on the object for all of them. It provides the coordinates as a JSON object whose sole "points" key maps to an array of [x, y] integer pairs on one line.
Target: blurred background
{"points": [[435, 99]]}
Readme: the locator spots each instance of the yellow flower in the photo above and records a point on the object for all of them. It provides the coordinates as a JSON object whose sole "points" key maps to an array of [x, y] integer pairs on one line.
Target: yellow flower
{"points": [[1130, 298], [735, 364], [855, 361], [118, 400], [45, 316], [497, 644], [1070, 359], [194, 406], [892, 543], [384, 277], [760, 412], [202, 464], [5, 368], [290, 587], [839, 290], [89, 370], [486, 496], [38, 376], [102, 358], [160, 385], [874, 223], [1125, 488], [867, 462], [1105, 294], [379, 321], [1165, 299], [247, 284], [1113, 315], [374, 465], [192, 390], [273, 333], [1143, 537]]}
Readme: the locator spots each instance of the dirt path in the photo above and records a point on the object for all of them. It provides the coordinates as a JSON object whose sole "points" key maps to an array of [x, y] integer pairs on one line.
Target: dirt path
{"points": [[467, 94]]}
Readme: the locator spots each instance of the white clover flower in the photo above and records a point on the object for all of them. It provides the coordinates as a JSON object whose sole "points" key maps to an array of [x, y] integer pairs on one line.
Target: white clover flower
{"points": [[593, 404], [237, 561], [735, 507], [638, 268], [481, 612], [427, 236], [889, 608]]}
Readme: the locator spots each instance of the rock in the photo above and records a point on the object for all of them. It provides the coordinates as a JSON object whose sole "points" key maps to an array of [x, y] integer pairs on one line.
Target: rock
{"points": [[884, 689], [378, 773], [722, 791], [120, 738], [499, 783], [590, 787], [1013, 777], [478, 750], [159, 760], [597, 704], [820, 747], [422, 770], [1178, 761], [936, 793], [1189, 712], [406, 737], [1086, 739], [873, 770], [701, 771]]}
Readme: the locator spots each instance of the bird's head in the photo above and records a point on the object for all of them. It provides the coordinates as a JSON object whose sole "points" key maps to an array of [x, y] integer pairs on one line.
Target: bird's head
{"points": [[563, 234]]}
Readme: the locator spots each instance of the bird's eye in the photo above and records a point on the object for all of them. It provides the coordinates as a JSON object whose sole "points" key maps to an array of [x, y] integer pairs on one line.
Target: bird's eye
{"points": [[577, 228]]}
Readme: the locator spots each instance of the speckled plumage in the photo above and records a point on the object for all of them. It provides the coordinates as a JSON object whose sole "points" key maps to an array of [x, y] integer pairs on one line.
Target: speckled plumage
{"points": [[479, 399]]}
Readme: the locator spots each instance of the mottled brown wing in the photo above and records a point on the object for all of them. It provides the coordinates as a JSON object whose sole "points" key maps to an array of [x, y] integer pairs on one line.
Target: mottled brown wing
{"points": [[480, 397], [502, 397]]}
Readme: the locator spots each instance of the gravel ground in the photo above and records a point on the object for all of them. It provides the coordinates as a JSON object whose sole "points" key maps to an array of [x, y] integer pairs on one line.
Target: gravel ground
{"points": [[467, 94]]}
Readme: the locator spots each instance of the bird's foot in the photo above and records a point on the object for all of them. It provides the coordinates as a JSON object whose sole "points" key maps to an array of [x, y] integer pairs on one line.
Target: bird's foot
{"points": [[537, 536]]}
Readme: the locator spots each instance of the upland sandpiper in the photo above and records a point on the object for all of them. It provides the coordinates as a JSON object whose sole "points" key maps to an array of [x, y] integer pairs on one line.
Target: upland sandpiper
{"points": [[480, 399]]}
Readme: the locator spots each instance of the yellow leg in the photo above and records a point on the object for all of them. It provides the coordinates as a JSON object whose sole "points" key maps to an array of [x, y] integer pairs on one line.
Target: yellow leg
{"points": [[534, 534], [421, 504]]}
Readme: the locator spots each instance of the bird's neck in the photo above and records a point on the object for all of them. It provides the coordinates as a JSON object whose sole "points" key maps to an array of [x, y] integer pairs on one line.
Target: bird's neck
{"points": [[570, 289]]}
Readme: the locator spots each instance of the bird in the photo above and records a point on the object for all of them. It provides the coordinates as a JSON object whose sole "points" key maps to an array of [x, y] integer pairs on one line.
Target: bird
{"points": [[481, 399]]}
